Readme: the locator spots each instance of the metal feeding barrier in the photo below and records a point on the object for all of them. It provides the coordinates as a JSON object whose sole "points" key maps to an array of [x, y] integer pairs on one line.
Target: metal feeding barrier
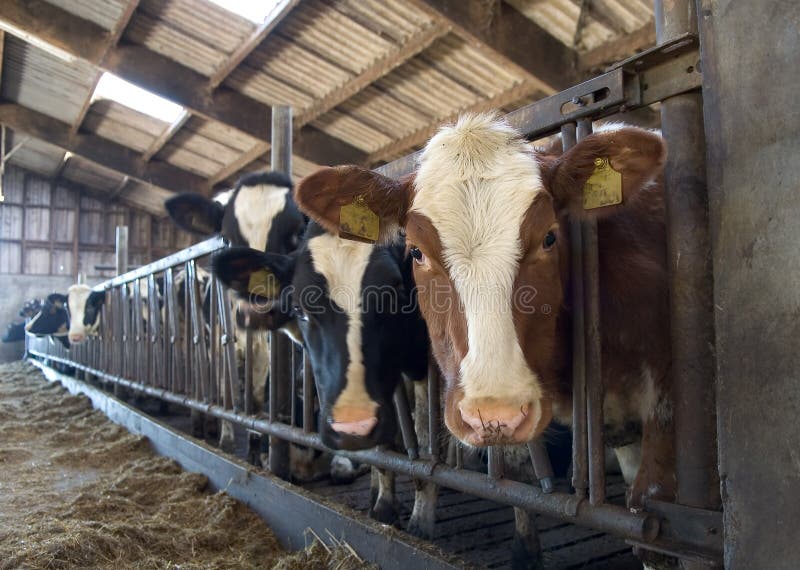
{"points": [[145, 345]]}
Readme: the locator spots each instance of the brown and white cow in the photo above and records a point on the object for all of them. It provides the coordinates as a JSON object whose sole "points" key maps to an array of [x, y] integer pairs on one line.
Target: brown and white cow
{"points": [[486, 219]]}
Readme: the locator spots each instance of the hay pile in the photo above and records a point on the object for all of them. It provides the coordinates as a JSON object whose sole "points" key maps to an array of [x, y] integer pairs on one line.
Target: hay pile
{"points": [[79, 491]]}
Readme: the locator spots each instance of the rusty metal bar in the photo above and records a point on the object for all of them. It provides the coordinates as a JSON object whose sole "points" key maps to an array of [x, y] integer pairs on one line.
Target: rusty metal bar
{"points": [[231, 375], [405, 420], [541, 465], [434, 407], [495, 468], [593, 355], [308, 394], [580, 472], [691, 282]]}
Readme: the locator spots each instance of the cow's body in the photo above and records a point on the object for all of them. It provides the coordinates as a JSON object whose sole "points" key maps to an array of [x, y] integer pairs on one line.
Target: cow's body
{"points": [[487, 221]]}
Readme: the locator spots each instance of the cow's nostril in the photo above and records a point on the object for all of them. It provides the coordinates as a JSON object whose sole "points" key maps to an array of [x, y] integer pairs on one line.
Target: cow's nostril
{"points": [[493, 423], [358, 428]]}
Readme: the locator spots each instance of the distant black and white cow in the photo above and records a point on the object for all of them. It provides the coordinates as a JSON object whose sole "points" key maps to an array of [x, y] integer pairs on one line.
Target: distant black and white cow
{"points": [[69, 318], [15, 331], [357, 314]]}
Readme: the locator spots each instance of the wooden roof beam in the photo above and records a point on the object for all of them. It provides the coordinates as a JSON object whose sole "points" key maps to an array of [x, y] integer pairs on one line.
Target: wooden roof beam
{"points": [[167, 78], [252, 42], [620, 48], [515, 40], [235, 166], [113, 39], [166, 135], [382, 66], [101, 151], [397, 148]]}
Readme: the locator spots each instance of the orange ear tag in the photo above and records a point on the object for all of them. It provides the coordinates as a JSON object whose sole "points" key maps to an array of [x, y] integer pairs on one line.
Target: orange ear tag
{"points": [[604, 186], [264, 284], [357, 222]]}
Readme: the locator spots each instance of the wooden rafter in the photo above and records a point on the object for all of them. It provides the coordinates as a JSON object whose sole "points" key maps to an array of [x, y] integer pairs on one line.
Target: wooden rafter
{"points": [[400, 146], [165, 136], [382, 66], [617, 49], [163, 76], [99, 150], [235, 166], [590, 10], [120, 187], [113, 39], [512, 40], [246, 48], [61, 166]]}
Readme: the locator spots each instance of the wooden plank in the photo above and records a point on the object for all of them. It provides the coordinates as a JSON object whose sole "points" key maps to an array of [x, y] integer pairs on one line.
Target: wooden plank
{"points": [[378, 69], [511, 38], [262, 31], [235, 166], [618, 49], [99, 150], [165, 77], [402, 145], [165, 137]]}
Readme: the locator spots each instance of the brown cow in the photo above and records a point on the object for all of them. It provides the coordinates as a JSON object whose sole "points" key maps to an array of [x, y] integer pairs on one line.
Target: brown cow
{"points": [[486, 219]]}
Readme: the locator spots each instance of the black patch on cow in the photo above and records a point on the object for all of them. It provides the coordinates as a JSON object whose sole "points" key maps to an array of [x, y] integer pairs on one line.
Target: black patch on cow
{"points": [[14, 333], [94, 304]]}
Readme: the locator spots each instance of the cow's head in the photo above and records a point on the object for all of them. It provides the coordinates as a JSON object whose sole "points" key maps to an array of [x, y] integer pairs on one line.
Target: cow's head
{"points": [[52, 318], [357, 317], [84, 307], [259, 213], [486, 223]]}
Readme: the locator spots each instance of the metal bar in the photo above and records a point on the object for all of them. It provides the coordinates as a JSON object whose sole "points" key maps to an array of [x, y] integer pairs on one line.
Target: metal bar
{"points": [[541, 465], [406, 421], [691, 283], [434, 407], [594, 371], [580, 470], [495, 468], [308, 394], [607, 518], [280, 403]]}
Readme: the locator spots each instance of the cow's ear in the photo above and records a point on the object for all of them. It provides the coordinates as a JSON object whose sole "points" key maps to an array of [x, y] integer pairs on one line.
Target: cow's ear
{"points": [[96, 298], [605, 171], [57, 299], [254, 273], [195, 213], [334, 196]]}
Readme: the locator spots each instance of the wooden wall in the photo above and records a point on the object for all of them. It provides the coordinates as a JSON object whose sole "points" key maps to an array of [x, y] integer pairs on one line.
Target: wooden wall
{"points": [[63, 229]]}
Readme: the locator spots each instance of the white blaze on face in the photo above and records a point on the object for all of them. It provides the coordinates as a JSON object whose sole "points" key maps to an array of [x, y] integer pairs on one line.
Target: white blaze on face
{"points": [[255, 208], [342, 263], [77, 295], [475, 183]]}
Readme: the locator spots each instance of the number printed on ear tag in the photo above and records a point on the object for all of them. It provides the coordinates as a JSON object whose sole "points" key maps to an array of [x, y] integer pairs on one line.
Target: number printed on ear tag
{"points": [[358, 222], [264, 284], [604, 186]]}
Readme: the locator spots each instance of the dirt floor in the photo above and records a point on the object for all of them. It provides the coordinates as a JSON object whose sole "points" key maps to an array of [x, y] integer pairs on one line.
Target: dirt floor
{"points": [[77, 491]]}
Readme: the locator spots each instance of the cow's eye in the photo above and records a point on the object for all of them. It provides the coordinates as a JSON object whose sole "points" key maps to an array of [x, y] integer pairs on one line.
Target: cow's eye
{"points": [[549, 239], [418, 256]]}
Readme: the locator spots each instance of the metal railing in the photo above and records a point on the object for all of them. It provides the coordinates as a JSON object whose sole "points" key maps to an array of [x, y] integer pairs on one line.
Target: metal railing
{"points": [[193, 363]]}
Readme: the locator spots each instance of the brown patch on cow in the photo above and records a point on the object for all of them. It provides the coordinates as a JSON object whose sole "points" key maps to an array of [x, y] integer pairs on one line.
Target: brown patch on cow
{"points": [[322, 194]]}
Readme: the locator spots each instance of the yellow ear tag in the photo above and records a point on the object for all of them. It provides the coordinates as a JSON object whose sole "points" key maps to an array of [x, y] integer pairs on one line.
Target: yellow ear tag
{"points": [[604, 186], [264, 284], [358, 222]]}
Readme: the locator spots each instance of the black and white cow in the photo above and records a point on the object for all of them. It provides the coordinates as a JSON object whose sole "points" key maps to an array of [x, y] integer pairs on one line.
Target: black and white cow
{"points": [[15, 331], [69, 318], [356, 311]]}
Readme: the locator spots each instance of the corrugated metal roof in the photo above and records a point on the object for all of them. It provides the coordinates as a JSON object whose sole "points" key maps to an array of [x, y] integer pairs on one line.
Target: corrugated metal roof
{"points": [[123, 125], [195, 33], [560, 18], [35, 155], [43, 82], [104, 13]]}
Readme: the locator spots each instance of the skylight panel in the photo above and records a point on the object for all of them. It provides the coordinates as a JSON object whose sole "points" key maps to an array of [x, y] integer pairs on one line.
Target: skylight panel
{"points": [[253, 10], [115, 89]]}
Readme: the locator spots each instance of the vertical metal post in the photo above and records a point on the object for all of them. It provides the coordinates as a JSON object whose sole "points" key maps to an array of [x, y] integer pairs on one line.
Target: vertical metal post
{"points": [[280, 377], [495, 460], [308, 394], [121, 267], [580, 476], [594, 372], [434, 407], [403, 409], [691, 283]]}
